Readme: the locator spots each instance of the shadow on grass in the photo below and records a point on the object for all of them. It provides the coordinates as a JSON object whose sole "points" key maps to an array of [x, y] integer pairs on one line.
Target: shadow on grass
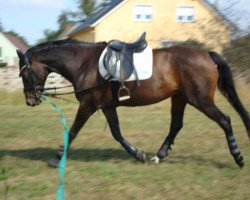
{"points": [[200, 161], [88, 155]]}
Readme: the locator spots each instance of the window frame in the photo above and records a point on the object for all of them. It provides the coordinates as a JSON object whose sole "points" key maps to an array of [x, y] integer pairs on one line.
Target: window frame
{"points": [[185, 17], [147, 16]]}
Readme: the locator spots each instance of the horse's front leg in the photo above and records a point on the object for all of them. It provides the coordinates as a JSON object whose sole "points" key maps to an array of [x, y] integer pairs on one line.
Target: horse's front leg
{"points": [[83, 114], [112, 118]]}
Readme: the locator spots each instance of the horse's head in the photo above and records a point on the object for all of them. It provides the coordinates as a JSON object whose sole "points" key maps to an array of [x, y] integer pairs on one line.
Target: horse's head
{"points": [[33, 74]]}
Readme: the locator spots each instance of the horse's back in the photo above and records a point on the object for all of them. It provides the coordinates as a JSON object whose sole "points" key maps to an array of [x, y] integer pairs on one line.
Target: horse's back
{"points": [[176, 70]]}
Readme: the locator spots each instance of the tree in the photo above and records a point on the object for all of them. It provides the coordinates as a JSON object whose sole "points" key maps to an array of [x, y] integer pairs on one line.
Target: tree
{"points": [[87, 7], [195, 43], [237, 55], [49, 35], [1, 26], [67, 17]]}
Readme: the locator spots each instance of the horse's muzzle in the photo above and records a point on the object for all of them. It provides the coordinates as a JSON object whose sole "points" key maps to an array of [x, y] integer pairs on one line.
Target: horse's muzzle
{"points": [[33, 99], [33, 102]]}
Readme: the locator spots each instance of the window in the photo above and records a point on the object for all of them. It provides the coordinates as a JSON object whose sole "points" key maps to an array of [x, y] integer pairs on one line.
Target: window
{"points": [[185, 14], [143, 12]]}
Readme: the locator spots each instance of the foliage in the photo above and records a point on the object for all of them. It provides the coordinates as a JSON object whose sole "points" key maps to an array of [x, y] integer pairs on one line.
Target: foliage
{"points": [[237, 55], [65, 18], [190, 42], [2, 64], [1, 26], [195, 43], [49, 35], [87, 7]]}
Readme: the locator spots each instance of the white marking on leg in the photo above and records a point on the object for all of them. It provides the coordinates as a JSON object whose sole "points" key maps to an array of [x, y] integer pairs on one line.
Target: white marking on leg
{"points": [[155, 159]]}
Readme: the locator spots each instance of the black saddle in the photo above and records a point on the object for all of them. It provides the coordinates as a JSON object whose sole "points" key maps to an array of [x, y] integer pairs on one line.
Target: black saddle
{"points": [[121, 53], [137, 46], [119, 56]]}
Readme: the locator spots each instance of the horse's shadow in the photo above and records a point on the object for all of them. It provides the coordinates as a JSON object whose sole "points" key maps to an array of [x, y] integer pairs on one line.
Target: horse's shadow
{"points": [[85, 155], [88, 155]]}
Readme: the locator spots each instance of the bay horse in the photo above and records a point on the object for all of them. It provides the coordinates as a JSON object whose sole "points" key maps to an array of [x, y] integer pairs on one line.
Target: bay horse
{"points": [[186, 74]]}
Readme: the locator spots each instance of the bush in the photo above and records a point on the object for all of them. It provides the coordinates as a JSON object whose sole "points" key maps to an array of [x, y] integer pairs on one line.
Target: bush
{"points": [[195, 43], [191, 43], [237, 56], [2, 64]]}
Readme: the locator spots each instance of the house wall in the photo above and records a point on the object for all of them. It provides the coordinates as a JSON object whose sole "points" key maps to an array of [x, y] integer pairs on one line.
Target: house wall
{"points": [[120, 24], [8, 51], [86, 35]]}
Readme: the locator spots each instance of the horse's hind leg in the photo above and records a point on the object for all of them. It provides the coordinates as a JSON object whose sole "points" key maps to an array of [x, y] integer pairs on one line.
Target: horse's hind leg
{"points": [[112, 118], [177, 113], [224, 121]]}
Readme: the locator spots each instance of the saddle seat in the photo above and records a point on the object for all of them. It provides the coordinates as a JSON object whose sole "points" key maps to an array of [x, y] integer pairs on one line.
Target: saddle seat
{"points": [[137, 46]]}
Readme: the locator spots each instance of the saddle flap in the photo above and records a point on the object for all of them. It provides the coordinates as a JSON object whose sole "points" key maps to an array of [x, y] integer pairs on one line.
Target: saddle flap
{"points": [[142, 61], [118, 59], [116, 63]]}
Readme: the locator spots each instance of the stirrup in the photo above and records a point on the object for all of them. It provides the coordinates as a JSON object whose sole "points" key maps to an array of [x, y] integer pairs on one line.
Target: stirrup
{"points": [[123, 93]]}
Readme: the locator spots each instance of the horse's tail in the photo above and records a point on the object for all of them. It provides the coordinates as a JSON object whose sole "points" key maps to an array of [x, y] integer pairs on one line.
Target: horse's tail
{"points": [[227, 88]]}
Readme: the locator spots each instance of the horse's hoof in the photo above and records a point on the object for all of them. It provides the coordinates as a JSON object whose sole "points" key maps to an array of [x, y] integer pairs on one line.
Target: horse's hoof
{"points": [[155, 160], [240, 161], [141, 156], [53, 162]]}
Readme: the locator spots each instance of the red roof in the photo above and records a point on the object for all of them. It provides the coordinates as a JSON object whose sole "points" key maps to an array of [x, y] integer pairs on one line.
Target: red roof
{"points": [[16, 42]]}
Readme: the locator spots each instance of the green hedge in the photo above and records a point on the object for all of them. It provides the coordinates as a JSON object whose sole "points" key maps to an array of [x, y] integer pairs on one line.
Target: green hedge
{"points": [[2, 64]]}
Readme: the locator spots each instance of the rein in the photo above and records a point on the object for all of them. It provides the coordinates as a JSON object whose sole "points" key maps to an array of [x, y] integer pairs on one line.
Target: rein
{"points": [[35, 87], [87, 90]]}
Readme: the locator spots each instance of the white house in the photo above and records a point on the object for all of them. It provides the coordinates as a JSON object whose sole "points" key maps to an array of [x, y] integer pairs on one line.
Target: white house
{"points": [[8, 46]]}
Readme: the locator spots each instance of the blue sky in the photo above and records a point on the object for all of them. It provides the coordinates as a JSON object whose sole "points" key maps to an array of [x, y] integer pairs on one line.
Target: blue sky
{"points": [[30, 17]]}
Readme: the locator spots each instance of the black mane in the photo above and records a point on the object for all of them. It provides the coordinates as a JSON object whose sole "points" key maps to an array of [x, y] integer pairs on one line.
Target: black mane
{"points": [[60, 43]]}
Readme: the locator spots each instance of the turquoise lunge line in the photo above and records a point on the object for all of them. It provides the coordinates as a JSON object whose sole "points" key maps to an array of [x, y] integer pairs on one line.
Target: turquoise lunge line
{"points": [[62, 164]]}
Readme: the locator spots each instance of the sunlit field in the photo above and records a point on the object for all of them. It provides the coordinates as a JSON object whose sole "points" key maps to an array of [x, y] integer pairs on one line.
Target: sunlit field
{"points": [[199, 166]]}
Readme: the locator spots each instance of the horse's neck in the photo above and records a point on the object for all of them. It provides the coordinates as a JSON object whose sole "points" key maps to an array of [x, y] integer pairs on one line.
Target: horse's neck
{"points": [[58, 64], [74, 68]]}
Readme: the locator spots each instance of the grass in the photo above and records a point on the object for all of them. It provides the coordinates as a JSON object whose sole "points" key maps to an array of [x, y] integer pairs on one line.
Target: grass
{"points": [[199, 167]]}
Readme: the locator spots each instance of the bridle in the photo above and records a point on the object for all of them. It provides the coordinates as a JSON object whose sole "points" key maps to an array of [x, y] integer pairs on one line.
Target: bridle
{"points": [[34, 88], [32, 75]]}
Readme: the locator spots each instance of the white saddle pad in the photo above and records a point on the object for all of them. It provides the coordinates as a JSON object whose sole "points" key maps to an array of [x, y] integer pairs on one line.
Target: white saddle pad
{"points": [[143, 64]]}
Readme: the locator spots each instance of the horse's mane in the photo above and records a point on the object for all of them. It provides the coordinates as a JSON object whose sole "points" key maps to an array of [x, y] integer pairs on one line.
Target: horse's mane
{"points": [[61, 43]]}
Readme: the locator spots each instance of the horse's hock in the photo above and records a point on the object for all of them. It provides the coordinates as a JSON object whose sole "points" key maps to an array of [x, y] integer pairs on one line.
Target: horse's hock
{"points": [[10, 81]]}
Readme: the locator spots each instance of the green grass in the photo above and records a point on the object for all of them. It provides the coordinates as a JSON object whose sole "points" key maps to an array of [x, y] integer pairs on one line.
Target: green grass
{"points": [[199, 167]]}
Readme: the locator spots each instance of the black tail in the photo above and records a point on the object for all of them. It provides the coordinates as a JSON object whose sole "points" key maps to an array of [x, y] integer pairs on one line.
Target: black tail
{"points": [[227, 88]]}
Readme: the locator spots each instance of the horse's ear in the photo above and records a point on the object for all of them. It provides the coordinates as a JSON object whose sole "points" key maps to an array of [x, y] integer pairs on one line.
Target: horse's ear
{"points": [[21, 58], [20, 54]]}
